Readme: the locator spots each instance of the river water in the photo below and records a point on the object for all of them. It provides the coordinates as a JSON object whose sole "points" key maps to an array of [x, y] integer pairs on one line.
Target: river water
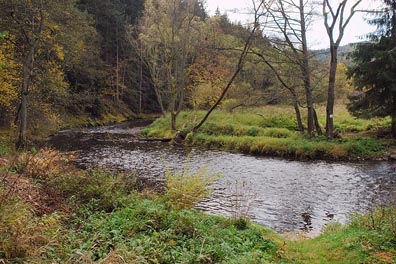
{"points": [[284, 195]]}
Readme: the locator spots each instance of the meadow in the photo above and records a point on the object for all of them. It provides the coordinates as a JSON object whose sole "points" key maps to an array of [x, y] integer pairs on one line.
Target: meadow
{"points": [[272, 131]]}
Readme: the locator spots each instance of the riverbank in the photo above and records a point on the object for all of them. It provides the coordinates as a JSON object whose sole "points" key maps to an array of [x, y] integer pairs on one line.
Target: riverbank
{"points": [[271, 131], [52, 212]]}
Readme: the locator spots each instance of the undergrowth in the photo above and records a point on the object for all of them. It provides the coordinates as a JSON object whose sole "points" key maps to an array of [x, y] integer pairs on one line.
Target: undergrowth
{"points": [[368, 238], [111, 222]]}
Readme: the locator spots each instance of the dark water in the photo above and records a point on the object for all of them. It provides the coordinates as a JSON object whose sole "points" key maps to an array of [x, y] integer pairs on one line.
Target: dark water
{"points": [[283, 195]]}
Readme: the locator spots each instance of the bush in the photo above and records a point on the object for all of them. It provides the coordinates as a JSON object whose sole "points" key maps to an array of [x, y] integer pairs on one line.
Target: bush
{"points": [[185, 189], [40, 164], [104, 188], [374, 234], [23, 235]]}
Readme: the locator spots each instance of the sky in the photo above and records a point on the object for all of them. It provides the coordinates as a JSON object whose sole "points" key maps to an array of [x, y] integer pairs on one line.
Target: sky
{"points": [[237, 11]]}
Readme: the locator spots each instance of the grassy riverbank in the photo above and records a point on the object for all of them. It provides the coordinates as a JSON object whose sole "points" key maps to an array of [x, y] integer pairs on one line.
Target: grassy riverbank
{"points": [[51, 212], [273, 131]]}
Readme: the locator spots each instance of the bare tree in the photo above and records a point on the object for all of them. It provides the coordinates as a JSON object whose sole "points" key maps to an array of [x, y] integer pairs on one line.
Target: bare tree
{"points": [[284, 81], [334, 19], [291, 19]]}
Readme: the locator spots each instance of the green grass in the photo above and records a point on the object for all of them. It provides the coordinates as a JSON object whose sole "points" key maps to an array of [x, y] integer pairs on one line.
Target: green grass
{"points": [[147, 231], [368, 238], [126, 227], [132, 227], [7, 143], [273, 131]]}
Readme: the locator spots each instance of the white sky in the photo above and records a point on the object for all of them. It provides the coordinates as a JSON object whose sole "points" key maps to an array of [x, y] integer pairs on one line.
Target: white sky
{"points": [[237, 11]]}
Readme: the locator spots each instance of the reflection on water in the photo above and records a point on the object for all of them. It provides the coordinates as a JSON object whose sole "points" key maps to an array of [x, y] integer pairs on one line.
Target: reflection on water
{"points": [[284, 195]]}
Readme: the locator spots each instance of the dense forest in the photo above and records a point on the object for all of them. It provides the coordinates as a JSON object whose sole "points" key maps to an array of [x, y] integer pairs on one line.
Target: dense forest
{"points": [[65, 63]]}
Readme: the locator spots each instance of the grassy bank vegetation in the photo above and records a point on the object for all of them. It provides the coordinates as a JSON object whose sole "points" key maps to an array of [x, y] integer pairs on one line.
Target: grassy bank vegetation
{"points": [[51, 212], [272, 130]]}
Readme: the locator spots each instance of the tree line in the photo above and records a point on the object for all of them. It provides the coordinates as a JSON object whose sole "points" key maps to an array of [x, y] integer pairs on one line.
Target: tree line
{"points": [[81, 57]]}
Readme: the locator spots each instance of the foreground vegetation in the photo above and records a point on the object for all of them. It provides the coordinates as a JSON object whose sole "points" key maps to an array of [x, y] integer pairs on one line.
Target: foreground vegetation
{"points": [[51, 212], [272, 130]]}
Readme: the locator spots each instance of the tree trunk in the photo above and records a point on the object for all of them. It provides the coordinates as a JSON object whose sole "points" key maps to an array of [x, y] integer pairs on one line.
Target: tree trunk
{"points": [[330, 93], [317, 125], [298, 116], [173, 120], [393, 114], [239, 67], [27, 64], [306, 71], [23, 108]]}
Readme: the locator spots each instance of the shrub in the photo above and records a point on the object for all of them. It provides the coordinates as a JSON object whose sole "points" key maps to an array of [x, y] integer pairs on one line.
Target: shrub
{"points": [[377, 231], [40, 164], [185, 189], [104, 188], [22, 235]]}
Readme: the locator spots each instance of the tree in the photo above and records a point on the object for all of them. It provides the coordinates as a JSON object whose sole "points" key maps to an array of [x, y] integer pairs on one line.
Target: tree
{"points": [[122, 76], [291, 20], [374, 72], [169, 34], [25, 21], [46, 43], [9, 83], [334, 18], [239, 66]]}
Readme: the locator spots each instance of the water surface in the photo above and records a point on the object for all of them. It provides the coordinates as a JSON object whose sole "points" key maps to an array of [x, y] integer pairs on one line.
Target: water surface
{"points": [[281, 194]]}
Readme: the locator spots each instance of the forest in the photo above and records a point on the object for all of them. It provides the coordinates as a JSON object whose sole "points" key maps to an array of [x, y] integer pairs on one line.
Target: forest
{"points": [[73, 62], [198, 81]]}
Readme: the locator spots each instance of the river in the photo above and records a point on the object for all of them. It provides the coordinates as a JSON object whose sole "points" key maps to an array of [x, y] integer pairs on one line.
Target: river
{"points": [[285, 195]]}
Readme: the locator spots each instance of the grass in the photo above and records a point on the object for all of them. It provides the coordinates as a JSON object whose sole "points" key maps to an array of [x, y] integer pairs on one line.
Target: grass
{"points": [[108, 221], [7, 143], [368, 238], [273, 131]]}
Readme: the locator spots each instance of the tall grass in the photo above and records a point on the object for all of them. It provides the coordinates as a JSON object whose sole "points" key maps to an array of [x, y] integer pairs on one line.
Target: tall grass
{"points": [[273, 131], [185, 189]]}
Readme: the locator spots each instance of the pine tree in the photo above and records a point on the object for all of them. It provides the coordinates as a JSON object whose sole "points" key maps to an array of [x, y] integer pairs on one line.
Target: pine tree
{"points": [[375, 67]]}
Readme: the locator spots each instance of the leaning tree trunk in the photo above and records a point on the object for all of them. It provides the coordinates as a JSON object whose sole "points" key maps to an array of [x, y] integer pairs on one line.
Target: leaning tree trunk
{"points": [[317, 124], [239, 67], [298, 116]]}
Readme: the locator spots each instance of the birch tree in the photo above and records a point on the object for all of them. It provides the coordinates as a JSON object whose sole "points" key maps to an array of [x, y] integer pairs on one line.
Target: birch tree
{"points": [[336, 19]]}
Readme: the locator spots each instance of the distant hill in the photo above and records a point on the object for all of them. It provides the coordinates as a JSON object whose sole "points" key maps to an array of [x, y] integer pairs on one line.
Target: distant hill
{"points": [[343, 52]]}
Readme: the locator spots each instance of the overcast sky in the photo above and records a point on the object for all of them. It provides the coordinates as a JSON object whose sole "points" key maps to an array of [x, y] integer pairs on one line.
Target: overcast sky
{"points": [[237, 9]]}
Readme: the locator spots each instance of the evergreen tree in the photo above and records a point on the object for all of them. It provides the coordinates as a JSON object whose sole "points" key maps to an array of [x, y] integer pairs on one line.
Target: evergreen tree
{"points": [[375, 67]]}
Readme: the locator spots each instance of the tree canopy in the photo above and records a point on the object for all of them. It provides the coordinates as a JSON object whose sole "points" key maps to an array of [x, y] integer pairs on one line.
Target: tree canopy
{"points": [[375, 67]]}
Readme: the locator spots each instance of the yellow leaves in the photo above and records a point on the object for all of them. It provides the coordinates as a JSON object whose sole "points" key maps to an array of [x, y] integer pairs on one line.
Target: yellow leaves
{"points": [[344, 86], [9, 78], [59, 52]]}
